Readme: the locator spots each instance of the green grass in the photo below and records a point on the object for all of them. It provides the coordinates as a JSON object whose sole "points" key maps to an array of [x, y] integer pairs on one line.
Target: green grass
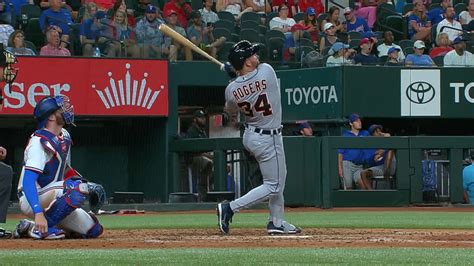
{"points": [[320, 219], [353, 256]]}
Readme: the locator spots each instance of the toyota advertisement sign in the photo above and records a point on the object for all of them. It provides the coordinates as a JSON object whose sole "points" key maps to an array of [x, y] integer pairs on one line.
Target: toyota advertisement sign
{"points": [[420, 92]]}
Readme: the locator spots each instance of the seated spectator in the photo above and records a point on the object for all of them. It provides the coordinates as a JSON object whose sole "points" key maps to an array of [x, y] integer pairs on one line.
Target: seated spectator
{"points": [[365, 57], [6, 11], [141, 7], [56, 15], [148, 34], [44, 4], [201, 35], [5, 31], [311, 22], [393, 57], [90, 11], [121, 5], [16, 44], [94, 33], [173, 47], [236, 7], [333, 17], [381, 162], [53, 47], [468, 181], [354, 23], [259, 6], [350, 161], [388, 43], [123, 38], [418, 58], [282, 22], [449, 21], [102, 5], [459, 56], [304, 129], [340, 54], [208, 16], [292, 7], [316, 4], [442, 45], [181, 9], [465, 17], [419, 26], [367, 9], [329, 38], [436, 15]]}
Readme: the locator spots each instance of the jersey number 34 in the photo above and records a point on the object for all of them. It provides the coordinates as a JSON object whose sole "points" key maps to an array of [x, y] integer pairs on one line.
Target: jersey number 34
{"points": [[261, 106]]}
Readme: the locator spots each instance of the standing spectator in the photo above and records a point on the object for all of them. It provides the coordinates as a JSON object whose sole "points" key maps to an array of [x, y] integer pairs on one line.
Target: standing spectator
{"points": [[449, 22], [387, 44], [208, 16], [419, 26], [468, 181], [340, 55], [381, 162], [120, 5], [459, 56], [442, 48], [418, 58], [55, 15], [259, 6], [53, 48], [172, 45], [311, 22], [202, 163], [5, 189], [93, 34], [354, 23], [365, 57], [124, 41], [5, 31], [316, 4], [292, 7], [367, 10], [181, 9], [436, 15], [16, 44], [465, 17], [304, 129], [329, 38], [350, 161], [148, 34], [333, 17], [201, 35], [393, 57]]}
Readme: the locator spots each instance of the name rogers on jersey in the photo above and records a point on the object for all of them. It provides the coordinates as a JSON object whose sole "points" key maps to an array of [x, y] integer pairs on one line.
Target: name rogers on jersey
{"points": [[249, 88]]}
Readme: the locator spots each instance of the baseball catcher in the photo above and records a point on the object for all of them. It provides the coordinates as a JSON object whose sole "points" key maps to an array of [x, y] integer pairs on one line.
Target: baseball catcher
{"points": [[50, 191]]}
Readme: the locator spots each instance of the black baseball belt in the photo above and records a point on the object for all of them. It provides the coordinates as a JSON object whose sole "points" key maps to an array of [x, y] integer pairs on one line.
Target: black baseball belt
{"points": [[275, 131]]}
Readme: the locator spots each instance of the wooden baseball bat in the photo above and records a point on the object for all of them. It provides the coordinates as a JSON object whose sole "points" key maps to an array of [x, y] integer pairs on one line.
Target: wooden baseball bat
{"points": [[187, 43]]}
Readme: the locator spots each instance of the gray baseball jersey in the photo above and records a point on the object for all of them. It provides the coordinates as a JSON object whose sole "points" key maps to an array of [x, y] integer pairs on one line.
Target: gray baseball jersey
{"points": [[257, 95]]}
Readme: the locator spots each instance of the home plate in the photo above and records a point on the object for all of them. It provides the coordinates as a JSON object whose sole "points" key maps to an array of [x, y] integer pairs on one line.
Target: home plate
{"points": [[289, 236]]}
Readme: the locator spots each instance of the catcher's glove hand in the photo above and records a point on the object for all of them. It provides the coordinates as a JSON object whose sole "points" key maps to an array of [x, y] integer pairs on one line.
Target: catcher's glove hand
{"points": [[96, 196]]}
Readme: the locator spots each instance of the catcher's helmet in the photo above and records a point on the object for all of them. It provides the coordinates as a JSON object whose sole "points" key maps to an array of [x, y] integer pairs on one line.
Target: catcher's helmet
{"points": [[240, 52], [49, 105]]}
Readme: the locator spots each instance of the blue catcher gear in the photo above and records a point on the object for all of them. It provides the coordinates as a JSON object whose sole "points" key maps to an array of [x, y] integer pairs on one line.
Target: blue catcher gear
{"points": [[49, 105], [240, 52]]}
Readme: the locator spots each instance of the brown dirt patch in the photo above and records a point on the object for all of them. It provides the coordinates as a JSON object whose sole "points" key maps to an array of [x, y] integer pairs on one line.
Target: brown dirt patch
{"points": [[211, 238]]}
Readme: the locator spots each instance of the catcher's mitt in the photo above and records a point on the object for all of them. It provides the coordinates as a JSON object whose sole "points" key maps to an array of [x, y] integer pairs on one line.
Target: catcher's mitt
{"points": [[96, 196]]}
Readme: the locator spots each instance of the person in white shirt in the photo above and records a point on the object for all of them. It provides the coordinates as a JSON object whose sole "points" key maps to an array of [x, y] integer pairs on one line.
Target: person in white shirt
{"points": [[383, 48], [466, 16], [449, 21], [459, 56], [259, 6], [282, 22], [208, 16], [340, 55]]}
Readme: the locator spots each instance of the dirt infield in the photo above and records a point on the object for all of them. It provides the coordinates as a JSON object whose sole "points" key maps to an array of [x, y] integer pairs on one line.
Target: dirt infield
{"points": [[239, 238]]}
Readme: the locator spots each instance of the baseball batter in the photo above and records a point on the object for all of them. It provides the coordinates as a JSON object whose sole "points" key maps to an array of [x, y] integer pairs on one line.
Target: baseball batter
{"points": [[255, 92], [49, 190]]}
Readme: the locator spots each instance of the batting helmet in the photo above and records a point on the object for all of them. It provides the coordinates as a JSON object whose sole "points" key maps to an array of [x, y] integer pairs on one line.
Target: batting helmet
{"points": [[49, 105], [240, 52]]}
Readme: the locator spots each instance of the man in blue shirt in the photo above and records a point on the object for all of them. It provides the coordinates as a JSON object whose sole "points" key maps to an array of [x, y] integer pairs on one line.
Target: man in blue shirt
{"points": [[418, 58], [468, 180], [59, 17], [354, 23], [436, 15], [350, 161]]}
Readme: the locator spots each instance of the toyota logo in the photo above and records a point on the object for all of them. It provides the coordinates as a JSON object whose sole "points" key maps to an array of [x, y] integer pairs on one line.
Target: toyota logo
{"points": [[420, 92]]}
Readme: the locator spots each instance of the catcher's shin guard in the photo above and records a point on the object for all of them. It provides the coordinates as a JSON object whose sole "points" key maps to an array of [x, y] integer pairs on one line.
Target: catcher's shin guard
{"points": [[73, 197], [96, 230]]}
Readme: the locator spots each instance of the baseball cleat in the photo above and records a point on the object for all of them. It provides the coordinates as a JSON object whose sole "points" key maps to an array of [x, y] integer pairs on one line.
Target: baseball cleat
{"points": [[4, 234], [224, 214], [52, 234], [284, 229], [22, 228]]}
